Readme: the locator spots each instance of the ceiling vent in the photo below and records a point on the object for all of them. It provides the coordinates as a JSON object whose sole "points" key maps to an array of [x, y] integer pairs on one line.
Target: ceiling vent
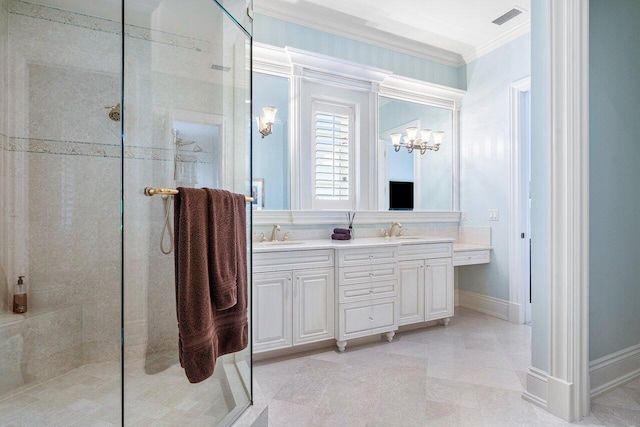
{"points": [[507, 16]]}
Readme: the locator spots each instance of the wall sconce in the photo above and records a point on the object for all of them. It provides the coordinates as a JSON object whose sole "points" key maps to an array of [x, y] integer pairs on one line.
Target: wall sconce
{"points": [[411, 141], [266, 120]]}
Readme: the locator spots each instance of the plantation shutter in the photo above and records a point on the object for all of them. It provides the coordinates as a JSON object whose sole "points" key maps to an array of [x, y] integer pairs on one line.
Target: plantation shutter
{"points": [[333, 142]]}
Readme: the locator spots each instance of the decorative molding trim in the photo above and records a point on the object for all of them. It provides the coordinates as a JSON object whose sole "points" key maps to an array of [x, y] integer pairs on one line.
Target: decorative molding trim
{"points": [[18, 7], [413, 90], [614, 370], [518, 247], [536, 390], [568, 381], [279, 61], [336, 66], [360, 33], [364, 217], [496, 42], [269, 59], [495, 307], [96, 149]]}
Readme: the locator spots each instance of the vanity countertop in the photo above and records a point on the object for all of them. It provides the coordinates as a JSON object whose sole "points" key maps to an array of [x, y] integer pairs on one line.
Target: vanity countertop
{"points": [[363, 242], [459, 247]]}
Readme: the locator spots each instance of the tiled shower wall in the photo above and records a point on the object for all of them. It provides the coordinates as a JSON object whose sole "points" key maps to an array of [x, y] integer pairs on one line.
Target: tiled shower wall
{"points": [[61, 192], [60, 186]]}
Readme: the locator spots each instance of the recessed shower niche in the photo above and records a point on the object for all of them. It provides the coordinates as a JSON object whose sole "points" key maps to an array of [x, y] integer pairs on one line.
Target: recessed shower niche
{"points": [[198, 152]]}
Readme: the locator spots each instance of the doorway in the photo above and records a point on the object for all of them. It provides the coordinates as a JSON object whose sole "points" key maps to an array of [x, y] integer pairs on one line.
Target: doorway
{"points": [[520, 202]]}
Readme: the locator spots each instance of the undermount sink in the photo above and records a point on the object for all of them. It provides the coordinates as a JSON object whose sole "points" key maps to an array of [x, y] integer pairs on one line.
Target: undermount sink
{"points": [[281, 242]]}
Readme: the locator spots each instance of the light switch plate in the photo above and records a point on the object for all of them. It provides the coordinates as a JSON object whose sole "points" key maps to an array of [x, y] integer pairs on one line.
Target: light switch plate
{"points": [[463, 216], [494, 215]]}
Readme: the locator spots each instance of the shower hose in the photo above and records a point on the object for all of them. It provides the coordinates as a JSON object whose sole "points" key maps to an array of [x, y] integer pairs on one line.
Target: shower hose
{"points": [[167, 226]]}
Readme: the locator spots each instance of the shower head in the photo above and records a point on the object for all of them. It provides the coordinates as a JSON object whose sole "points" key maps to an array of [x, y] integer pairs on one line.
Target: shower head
{"points": [[114, 113]]}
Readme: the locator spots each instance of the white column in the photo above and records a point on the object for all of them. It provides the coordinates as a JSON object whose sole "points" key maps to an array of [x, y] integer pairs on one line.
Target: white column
{"points": [[568, 380]]}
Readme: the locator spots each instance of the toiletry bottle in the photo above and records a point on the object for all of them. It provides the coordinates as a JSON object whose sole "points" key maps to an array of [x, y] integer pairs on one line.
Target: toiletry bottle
{"points": [[20, 297]]}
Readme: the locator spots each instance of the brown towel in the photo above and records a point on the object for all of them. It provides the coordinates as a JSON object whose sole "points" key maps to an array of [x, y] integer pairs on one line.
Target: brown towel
{"points": [[338, 236], [341, 231], [211, 277]]}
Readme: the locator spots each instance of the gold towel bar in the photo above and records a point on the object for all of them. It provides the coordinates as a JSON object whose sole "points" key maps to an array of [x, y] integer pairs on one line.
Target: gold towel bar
{"points": [[151, 191]]}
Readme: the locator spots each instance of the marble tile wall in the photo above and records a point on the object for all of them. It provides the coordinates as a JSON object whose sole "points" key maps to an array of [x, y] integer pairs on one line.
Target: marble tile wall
{"points": [[61, 188]]}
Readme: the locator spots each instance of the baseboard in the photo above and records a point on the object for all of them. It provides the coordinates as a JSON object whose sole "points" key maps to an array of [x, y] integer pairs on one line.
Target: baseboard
{"points": [[515, 315], [614, 370], [536, 390], [488, 305], [456, 298], [560, 398]]}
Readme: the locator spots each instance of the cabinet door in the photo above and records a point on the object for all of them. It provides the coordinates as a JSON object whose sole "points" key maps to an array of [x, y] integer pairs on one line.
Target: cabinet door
{"points": [[313, 305], [438, 288], [411, 292], [272, 311]]}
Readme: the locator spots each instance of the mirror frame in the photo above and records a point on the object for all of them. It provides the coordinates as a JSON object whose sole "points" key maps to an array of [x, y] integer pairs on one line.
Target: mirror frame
{"points": [[300, 66]]}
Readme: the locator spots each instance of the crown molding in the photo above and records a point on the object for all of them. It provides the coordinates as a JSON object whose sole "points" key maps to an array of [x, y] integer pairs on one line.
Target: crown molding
{"points": [[496, 42], [310, 64], [362, 34], [413, 90], [269, 59]]}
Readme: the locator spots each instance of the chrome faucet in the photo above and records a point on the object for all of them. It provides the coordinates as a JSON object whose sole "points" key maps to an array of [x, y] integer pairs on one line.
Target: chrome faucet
{"points": [[274, 233], [395, 224]]}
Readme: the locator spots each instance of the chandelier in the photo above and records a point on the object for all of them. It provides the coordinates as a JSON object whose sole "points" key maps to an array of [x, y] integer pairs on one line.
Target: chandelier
{"points": [[413, 142]]}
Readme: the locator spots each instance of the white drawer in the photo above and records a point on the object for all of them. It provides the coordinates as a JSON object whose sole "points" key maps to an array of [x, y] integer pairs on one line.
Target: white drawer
{"points": [[424, 250], [292, 260], [367, 318], [367, 256], [471, 257], [367, 273], [367, 291]]}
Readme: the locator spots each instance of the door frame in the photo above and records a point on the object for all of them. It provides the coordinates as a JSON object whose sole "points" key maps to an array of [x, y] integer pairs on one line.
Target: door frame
{"points": [[518, 201], [564, 389]]}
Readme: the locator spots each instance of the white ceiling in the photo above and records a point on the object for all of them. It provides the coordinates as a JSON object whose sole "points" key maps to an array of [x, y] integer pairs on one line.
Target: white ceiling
{"points": [[448, 31]]}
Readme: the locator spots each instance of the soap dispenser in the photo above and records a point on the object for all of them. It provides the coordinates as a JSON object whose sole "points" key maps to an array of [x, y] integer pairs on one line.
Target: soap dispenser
{"points": [[20, 297]]}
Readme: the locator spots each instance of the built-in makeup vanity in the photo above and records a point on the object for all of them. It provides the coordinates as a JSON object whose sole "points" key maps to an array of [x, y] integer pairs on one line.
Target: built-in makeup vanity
{"points": [[315, 290]]}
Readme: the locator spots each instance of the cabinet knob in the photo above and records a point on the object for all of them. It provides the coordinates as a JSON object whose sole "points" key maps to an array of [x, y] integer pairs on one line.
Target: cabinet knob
{"points": [[370, 317], [370, 291], [370, 274]]}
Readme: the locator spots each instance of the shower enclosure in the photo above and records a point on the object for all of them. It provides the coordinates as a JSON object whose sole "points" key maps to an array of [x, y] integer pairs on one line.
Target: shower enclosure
{"points": [[98, 100]]}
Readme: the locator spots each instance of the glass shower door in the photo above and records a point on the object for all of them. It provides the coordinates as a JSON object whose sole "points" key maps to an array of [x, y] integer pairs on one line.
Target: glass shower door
{"points": [[60, 154], [186, 124]]}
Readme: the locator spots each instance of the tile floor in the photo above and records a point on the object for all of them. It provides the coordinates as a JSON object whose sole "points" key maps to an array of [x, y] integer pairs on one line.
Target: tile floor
{"points": [[470, 373], [156, 390]]}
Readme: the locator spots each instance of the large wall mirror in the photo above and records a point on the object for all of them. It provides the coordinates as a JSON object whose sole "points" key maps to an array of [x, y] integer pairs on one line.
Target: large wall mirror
{"points": [[283, 173], [415, 181]]}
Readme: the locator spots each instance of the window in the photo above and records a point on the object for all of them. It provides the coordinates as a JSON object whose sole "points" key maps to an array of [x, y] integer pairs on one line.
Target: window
{"points": [[333, 154]]}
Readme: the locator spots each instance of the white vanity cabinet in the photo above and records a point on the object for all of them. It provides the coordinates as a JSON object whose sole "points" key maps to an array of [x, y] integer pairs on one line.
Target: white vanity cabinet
{"points": [[367, 298], [426, 282], [293, 294]]}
